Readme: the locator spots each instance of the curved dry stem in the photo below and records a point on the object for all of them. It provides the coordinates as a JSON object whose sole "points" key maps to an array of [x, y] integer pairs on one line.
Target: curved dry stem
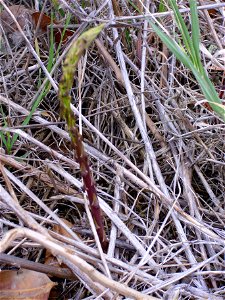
{"points": [[69, 254]]}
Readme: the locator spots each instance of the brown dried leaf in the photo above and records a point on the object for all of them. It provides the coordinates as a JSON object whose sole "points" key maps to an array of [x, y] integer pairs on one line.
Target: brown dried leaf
{"points": [[43, 24], [49, 258], [22, 15], [23, 18], [28, 20], [24, 284], [60, 230]]}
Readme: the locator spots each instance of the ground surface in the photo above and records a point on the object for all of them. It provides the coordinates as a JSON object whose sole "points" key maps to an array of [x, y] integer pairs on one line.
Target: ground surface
{"points": [[156, 152]]}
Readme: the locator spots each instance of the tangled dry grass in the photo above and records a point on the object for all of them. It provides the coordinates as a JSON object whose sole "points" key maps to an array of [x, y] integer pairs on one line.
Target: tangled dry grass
{"points": [[157, 155]]}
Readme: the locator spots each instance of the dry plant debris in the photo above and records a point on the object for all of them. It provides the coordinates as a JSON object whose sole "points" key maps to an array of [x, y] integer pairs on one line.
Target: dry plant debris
{"points": [[23, 16], [24, 284], [157, 153]]}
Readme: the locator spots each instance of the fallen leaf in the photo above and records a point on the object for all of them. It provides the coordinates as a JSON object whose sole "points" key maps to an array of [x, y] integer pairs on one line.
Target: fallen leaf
{"points": [[23, 18], [24, 284], [28, 20], [49, 258], [22, 15], [43, 21]]}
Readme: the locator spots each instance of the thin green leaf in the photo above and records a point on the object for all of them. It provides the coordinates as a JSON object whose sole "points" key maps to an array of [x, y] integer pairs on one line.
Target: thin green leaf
{"points": [[184, 31], [5, 136], [162, 7], [209, 91], [63, 33], [3, 139], [172, 45], [51, 48], [134, 6], [206, 85], [195, 34]]}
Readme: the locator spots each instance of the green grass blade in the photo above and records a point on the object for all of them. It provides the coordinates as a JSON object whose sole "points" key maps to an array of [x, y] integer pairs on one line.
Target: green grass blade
{"points": [[3, 139], [52, 58], [210, 93], [51, 48], [63, 33], [196, 34], [162, 7], [47, 87], [172, 45], [33, 109], [184, 31], [206, 85], [134, 6], [6, 138]]}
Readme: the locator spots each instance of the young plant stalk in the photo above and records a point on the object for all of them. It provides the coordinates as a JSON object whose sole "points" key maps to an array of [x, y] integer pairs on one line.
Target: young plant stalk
{"points": [[65, 86]]}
